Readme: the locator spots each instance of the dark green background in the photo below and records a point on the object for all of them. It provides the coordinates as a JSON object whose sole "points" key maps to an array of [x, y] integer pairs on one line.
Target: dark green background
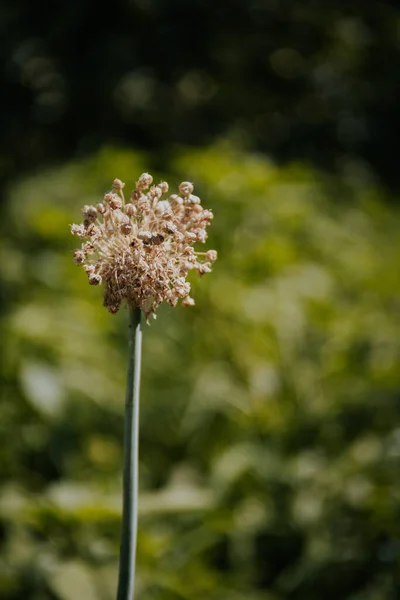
{"points": [[270, 417]]}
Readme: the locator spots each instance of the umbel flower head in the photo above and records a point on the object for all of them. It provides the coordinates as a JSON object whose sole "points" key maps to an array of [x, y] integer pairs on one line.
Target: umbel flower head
{"points": [[143, 251]]}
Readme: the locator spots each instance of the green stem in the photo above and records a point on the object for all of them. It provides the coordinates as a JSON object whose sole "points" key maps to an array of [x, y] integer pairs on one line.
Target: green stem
{"points": [[126, 579]]}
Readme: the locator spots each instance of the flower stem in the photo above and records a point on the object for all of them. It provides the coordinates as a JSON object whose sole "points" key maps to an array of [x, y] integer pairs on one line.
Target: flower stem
{"points": [[126, 579]]}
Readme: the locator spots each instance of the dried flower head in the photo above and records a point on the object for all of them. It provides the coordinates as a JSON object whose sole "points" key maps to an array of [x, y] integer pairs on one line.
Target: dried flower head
{"points": [[143, 251]]}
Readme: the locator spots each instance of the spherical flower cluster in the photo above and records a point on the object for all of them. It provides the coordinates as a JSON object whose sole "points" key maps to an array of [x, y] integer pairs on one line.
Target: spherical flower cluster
{"points": [[143, 250]]}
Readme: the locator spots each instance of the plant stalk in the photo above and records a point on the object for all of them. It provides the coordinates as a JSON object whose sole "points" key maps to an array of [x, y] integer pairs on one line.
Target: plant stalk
{"points": [[127, 561]]}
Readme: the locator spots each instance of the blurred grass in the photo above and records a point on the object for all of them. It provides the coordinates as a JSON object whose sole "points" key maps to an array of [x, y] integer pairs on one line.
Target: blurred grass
{"points": [[270, 418]]}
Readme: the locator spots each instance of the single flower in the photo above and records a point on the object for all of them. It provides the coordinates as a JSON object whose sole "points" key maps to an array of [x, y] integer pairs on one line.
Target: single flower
{"points": [[143, 251]]}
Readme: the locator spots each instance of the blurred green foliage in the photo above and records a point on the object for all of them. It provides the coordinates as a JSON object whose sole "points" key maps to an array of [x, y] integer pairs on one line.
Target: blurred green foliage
{"points": [[270, 415], [315, 80]]}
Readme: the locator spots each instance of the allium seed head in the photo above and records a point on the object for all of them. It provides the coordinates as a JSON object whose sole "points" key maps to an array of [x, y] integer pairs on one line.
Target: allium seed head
{"points": [[142, 252]]}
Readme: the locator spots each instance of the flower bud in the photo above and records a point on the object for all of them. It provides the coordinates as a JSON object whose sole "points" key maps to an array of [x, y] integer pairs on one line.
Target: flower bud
{"points": [[162, 207], [196, 209], [163, 187], [117, 184], [78, 230], [155, 192], [115, 202], [181, 287], [201, 235], [91, 230], [145, 236], [207, 215], [79, 257], [89, 269], [126, 228], [204, 268], [172, 299], [186, 188], [157, 239], [90, 213], [130, 209], [88, 248], [188, 301], [170, 228], [211, 255], [95, 279], [175, 199], [144, 181], [135, 195], [113, 308], [143, 203]]}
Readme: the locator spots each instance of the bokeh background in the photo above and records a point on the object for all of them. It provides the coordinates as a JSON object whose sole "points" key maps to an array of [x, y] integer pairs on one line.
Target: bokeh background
{"points": [[270, 415]]}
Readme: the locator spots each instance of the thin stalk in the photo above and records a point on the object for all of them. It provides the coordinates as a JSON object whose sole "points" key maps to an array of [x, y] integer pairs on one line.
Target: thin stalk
{"points": [[126, 579]]}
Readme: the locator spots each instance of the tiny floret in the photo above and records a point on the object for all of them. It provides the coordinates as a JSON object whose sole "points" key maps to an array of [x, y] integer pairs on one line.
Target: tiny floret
{"points": [[144, 181], [211, 255], [188, 301], [95, 279], [142, 252], [118, 184], [186, 188]]}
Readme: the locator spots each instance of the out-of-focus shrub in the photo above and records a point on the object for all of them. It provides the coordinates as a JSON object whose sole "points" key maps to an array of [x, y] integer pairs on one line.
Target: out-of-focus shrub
{"points": [[270, 417]]}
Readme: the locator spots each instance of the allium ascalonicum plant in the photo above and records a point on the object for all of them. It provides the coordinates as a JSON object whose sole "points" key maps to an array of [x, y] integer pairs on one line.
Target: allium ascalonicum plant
{"points": [[141, 252]]}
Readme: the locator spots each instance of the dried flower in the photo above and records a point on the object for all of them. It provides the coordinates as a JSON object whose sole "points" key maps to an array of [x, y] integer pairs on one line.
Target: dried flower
{"points": [[211, 255], [186, 188], [118, 184], [188, 301], [143, 251], [144, 181]]}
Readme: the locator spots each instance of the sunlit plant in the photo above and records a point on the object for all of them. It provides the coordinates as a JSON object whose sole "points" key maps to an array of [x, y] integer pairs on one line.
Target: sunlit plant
{"points": [[141, 252]]}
